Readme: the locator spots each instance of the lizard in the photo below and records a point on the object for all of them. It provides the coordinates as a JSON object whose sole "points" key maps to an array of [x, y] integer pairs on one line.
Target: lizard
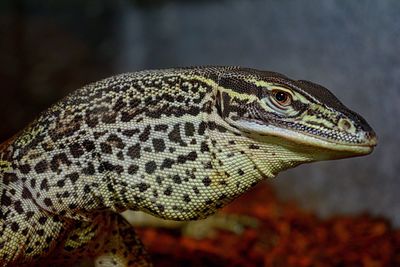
{"points": [[175, 143]]}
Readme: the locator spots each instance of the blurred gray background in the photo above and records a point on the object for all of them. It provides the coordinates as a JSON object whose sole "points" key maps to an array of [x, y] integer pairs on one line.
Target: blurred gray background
{"points": [[48, 48]]}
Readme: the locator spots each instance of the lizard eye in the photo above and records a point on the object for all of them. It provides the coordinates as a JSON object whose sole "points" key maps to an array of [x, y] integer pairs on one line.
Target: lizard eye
{"points": [[281, 98]]}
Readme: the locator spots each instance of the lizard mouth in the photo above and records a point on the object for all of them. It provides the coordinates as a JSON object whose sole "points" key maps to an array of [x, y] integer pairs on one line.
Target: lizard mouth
{"points": [[364, 144], [363, 147]]}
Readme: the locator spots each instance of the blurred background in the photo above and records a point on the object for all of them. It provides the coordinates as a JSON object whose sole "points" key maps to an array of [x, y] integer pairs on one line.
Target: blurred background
{"points": [[49, 48]]}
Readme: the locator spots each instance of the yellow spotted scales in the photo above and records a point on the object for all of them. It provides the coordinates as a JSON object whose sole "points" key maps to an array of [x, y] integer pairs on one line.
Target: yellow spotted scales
{"points": [[176, 143]]}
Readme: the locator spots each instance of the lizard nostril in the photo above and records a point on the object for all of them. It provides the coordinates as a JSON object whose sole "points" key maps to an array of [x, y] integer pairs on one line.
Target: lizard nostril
{"points": [[345, 124]]}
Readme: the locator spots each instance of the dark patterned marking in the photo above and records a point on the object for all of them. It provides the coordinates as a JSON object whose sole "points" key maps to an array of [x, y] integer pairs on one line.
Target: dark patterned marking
{"points": [[48, 146], [47, 201], [181, 159], [193, 110], [180, 98], [120, 155], [159, 180], [158, 144], [33, 183], [209, 202], [25, 168], [5, 200], [196, 190], [168, 191], [57, 160], [212, 125], [221, 129], [106, 148], [86, 189], [44, 185], [155, 193], [168, 97], [192, 156], [29, 214], [222, 182], [202, 128], [18, 207], [73, 177], [186, 198], [89, 170], [99, 134], [204, 147], [26, 194], [214, 143], [160, 207], [128, 116], [40, 232], [15, 227], [10, 178], [143, 187], [177, 208], [189, 129], [91, 121], [167, 163], [61, 183], [134, 102], [134, 151], [119, 104], [206, 181], [109, 118], [150, 167], [131, 132], [144, 136], [116, 141], [76, 150], [254, 146], [152, 101], [106, 166], [207, 165], [133, 169], [41, 166], [177, 179], [161, 127], [175, 135], [240, 172]]}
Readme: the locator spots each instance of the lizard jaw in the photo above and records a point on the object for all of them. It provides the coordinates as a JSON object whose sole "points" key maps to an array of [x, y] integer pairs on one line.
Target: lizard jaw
{"points": [[308, 141]]}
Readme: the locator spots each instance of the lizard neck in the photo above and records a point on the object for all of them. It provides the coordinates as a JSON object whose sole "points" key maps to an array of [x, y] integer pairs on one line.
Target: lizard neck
{"points": [[131, 141]]}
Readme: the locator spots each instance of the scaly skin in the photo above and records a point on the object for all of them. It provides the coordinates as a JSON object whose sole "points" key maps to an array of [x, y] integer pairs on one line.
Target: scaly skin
{"points": [[178, 143]]}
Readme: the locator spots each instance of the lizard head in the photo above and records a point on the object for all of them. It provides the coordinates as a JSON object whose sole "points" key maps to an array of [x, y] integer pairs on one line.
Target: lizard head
{"points": [[307, 117]]}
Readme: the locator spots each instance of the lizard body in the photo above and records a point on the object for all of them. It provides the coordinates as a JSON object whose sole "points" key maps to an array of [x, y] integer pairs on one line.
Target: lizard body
{"points": [[176, 143]]}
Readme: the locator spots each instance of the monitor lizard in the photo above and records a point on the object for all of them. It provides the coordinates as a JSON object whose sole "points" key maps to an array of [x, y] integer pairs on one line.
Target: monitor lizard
{"points": [[176, 143]]}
